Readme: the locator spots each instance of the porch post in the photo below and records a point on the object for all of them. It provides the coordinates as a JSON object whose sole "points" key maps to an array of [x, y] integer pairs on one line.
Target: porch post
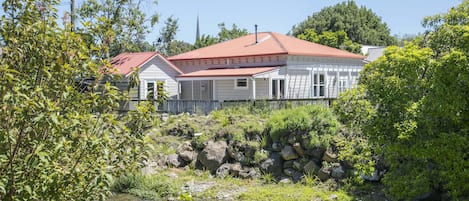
{"points": [[270, 88], [253, 88], [192, 94], [337, 82], [214, 88], [311, 91], [179, 90], [349, 79], [326, 83]]}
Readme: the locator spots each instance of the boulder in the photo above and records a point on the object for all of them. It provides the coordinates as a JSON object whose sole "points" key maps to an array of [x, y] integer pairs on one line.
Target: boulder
{"points": [[173, 160], [236, 168], [374, 177], [288, 153], [288, 164], [276, 146], [298, 149], [249, 173], [289, 171], [323, 174], [297, 165], [187, 156], [297, 176], [311, 168], [285, 180], [185, 146], [213, 155], [329, 156], [337, 172], [223, 170], [273, 164]]}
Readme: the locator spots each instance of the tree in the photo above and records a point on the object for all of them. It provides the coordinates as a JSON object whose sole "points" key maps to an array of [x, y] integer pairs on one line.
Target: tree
{"points": [[204, 41], [223, 35], [118, 25], [420, 125], [332, 39], [362, 25], [58, 139], [228, 34], [166, 43]]}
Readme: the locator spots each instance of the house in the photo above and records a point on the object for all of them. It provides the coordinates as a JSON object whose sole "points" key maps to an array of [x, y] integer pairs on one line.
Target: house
{"points": [[265, 65], [154, 72]]}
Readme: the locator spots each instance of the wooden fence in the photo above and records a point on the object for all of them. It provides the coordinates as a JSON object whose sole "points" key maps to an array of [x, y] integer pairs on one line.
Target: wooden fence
{"points": [[206, 106]]}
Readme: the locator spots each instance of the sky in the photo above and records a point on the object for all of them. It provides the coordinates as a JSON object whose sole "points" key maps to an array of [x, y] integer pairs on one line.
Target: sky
{"points": [[401, 16]]}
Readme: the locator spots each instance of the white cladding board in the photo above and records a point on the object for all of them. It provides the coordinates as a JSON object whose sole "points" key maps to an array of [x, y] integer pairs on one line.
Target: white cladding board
{"points": [[158, 70]]}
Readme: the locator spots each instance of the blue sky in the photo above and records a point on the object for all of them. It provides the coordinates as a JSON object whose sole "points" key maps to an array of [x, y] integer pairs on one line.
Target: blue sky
{"points": [[402, 16]]}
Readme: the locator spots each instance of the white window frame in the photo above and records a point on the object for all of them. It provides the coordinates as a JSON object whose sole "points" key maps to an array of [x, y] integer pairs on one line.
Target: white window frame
{"points": [[317, 84], [343, 84], [241, 87], [155, 88]]}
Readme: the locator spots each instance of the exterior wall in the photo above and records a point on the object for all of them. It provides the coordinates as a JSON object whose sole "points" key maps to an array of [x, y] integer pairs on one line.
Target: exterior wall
{"points": [[225, 90], [158, 70], [298, 83], [188, 66]]}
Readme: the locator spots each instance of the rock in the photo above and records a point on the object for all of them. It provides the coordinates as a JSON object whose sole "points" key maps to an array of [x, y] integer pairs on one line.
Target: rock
{"points": [[213, 155], [337, 172], [297, 165], [299, 149], [374, 177], [249, 173], [317, 153], [185, 146], [311, 168], [333, 197], [288, 164], [197, 134], [329, 156], [288, 153], [289, 171], [187, 156], [173, 160], [223, 170], [164, 117], [236, 168], [273, 164], [291, 139], [323, 174], [285, 180], [276, 146], [172, 175], [297, 176]]}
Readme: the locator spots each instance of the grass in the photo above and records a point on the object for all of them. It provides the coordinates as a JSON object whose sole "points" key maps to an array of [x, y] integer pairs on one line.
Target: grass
{"points": [[160, 186]]}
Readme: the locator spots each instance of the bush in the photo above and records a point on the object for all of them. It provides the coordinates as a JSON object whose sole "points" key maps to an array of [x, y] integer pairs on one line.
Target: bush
{"points": [[313, 124], [152, 187]]}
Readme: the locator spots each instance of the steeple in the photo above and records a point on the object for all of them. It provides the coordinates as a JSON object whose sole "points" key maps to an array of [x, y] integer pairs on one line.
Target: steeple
{"points": [[197, 33]]}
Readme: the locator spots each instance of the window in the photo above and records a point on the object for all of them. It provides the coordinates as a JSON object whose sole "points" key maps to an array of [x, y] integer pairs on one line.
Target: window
{"points": [[150, 91], [342, 84], [319, 85], [278, 89], [241, 83]]}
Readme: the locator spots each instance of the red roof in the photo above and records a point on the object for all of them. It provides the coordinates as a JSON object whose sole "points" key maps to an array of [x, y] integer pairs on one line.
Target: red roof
{"points": [[228, 72], [269, 43], [126, 61]]}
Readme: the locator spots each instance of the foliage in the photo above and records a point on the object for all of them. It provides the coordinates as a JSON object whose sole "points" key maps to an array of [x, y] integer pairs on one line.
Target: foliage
{"points": [[362, 25], [153, 187], [337, 39], [167, 36], [315, 123], [353, 109], [58, 139], [119, 26], [223, 35], [228, 34], [420, 95]]}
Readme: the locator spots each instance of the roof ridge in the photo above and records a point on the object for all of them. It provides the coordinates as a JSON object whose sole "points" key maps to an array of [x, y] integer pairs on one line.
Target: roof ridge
{"points": [[278, 41]]}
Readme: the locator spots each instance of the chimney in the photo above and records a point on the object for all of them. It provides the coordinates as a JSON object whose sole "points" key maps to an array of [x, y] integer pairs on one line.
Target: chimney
{"points": [[255, 28]]}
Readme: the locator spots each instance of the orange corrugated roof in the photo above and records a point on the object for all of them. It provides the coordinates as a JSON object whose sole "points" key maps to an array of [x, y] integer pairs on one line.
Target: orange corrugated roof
{"points": [[269, 43], [126, 61], [228, 72]]}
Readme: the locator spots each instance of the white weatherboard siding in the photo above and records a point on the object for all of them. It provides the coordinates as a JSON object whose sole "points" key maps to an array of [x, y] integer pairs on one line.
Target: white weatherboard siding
{"points": [[262, 88], [158, 70], [299, 83], [196, 90], [225, 90]]}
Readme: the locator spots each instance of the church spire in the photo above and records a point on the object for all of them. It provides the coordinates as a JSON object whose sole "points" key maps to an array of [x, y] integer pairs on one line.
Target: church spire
{"points": [[197, 33]]}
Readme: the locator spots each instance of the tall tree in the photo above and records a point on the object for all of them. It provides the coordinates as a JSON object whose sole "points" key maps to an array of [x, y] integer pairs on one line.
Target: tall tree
{"points": [[167, 36], [332, 39], [119, 25], [60, 138], [228, 34], [204, 41], [420, 125], [362, 25]]}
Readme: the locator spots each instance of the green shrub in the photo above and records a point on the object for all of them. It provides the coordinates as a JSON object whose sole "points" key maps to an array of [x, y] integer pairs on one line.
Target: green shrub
{"points": [[314, 123], [152, 187]]}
